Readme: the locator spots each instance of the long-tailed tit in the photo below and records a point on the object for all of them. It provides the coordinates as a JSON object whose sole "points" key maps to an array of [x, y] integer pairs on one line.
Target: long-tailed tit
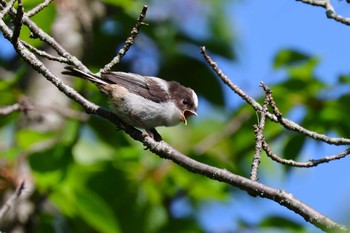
{"points": [[143, 101]]}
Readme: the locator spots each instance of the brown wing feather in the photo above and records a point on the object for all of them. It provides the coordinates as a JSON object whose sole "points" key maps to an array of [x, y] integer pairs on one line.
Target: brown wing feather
{"points": [[147, 87]]}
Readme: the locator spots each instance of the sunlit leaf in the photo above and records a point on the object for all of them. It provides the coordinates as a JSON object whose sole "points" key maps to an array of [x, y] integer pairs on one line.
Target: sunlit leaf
{"points": [[44, 20], [289, 57], [87, 152], [27, 138], [304, 71], [156, 218]]}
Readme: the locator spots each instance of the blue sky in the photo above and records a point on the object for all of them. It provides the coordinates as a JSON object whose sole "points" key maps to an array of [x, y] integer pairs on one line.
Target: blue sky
{"points": [[264, 27]]}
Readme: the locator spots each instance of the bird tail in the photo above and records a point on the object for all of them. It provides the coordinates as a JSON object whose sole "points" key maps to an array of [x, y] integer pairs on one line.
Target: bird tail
{"points": [[72, 71]]}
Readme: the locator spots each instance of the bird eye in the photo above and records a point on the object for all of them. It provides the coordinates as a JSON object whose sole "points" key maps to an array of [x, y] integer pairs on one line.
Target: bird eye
{"points": [[184, 102]]}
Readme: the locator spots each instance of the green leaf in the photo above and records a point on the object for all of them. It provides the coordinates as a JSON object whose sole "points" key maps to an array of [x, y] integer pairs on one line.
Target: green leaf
{"points": [[156, 218], [289, 57], [222, 33], [344, 78], [27, 138], [96, 212], [332, 113], [31, 3], [88, 152], [5, 84], [122, 3], [107, 132], [303, 71], [195, 74], [282, 223], [293, 147], [44, 20], [49, 167], [71, 131], [219, 47]]}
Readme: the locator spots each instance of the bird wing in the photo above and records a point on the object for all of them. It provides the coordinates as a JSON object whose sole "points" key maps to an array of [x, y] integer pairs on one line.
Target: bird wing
{"points": [[147, 87]]}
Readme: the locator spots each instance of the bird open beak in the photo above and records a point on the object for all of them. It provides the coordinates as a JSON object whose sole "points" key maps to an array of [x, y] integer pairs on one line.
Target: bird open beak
{"points": [[186, 114]]}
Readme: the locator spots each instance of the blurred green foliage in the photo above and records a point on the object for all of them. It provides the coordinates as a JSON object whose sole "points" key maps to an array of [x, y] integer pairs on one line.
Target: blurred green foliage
{"points": [[99, 180]]}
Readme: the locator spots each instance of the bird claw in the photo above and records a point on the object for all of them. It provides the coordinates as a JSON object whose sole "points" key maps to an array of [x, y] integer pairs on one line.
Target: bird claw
{"points": [[153, 134]]}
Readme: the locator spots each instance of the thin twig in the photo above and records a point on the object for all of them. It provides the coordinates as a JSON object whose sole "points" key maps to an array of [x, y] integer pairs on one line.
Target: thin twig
{"points": [[17, 23], [22, 106], [272, 103], [38, 8], [230, 128], [26, 104], [7, 7], [44, 54], [43, 36], [307, 164], [288, 124], [39, 66], [129, 41], [9, 109], [258, 130], [321, 3], [12, 200], [67, 112], [275, 157], [330, 12], [257, 154]]}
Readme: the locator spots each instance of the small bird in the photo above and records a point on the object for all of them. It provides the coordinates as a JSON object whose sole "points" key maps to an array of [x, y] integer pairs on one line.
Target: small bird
{"points": [[143, 101]]}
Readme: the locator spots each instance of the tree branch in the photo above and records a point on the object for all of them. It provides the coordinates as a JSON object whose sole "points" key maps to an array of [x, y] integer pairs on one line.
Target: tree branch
{"points": [[310, 163], [255, 188], [6, 7], [288, 124], [258, 130], [129, 41], [21, 106], [39, 33], [44, 54], [9, 109], [17, 23], [330, 12], [12, 200], [38, 8]]}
